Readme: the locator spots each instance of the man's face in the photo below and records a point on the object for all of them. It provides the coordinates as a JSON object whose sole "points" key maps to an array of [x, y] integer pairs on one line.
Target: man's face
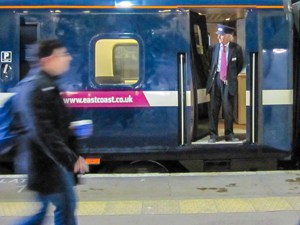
{"points": [[61, 59], [224, 38], [58, 62]]}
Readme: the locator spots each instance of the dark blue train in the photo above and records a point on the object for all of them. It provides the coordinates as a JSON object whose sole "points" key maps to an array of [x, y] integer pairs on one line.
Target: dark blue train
{"points": [[139, 73]]}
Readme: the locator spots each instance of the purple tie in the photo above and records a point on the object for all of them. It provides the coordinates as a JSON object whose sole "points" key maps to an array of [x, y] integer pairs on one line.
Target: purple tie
{"points": [[223, 72]]}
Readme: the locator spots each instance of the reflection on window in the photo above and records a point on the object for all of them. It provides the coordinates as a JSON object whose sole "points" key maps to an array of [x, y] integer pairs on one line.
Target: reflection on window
{"points": [[116, 61], [198, 39]]}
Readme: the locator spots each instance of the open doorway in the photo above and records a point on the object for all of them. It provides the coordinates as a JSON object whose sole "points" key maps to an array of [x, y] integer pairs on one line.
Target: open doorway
{"points": [[234, 18]]}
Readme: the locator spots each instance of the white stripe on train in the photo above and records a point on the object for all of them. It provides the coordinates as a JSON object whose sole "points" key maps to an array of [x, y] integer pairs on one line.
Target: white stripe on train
{"points": [[274, 97], [170, 98]]}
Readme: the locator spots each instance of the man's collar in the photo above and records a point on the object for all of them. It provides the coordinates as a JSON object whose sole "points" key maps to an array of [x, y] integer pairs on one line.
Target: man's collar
{"points": [[225, 44]]}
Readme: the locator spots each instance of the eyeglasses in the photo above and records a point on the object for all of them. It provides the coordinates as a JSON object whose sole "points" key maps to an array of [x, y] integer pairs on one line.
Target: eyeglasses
{"points": [[62, 54]]}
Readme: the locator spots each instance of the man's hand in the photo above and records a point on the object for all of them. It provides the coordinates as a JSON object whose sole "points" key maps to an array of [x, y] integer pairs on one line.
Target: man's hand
{"points": [[81, 166]]}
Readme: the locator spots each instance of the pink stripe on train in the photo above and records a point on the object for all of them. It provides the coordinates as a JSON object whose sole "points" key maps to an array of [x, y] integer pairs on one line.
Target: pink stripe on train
{"points": [[100, 99]]}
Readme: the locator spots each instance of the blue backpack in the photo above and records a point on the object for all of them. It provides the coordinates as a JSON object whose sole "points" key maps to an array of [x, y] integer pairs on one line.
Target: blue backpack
{"points": [[7, 137]]}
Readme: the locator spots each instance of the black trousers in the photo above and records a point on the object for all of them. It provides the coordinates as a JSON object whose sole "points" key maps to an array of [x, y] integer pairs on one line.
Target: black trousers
{"points": [[219, 95]]}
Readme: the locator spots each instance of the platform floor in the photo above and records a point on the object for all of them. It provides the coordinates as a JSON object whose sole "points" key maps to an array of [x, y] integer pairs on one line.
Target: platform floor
{"points": [[244, 198]]}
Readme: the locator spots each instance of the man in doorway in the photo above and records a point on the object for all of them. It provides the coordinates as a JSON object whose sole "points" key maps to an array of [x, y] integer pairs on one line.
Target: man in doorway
{"points": [[226, 62]]}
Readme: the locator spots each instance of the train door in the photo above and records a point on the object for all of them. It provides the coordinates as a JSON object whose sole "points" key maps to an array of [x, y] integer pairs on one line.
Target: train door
{"points": [[199, 67], [270, 79], [9, 68], [296, 72]]}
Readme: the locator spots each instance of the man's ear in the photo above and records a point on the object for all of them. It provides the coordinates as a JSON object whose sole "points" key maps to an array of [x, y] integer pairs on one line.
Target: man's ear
{"points": [[45, 60]]}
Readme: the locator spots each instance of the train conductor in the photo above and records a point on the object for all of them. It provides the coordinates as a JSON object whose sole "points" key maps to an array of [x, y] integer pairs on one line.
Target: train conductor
{"points": [[226, 62]]}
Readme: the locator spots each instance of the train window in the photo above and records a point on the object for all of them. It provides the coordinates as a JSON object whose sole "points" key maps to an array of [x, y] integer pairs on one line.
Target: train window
{"points": [[117, 61], [28, 36]]}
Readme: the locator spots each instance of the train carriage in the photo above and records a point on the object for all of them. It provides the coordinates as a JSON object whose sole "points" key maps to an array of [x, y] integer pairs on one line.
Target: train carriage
{"points": [[139, 72]]}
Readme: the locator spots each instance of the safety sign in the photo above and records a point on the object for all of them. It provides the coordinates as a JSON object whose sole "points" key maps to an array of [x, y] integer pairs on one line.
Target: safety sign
{"points": [[6, 56]]}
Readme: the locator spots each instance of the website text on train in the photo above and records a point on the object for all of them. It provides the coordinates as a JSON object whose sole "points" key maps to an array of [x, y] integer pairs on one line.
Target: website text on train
{"points": [[139, 73]]}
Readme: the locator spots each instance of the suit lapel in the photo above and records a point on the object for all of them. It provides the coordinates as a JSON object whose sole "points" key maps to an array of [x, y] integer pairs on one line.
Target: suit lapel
{"points": [[229, 52], [216, 55]]}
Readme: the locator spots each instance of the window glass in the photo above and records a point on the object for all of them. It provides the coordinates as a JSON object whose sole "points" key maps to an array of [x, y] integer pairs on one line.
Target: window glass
{"points": [[117, 61], [198, 37]]}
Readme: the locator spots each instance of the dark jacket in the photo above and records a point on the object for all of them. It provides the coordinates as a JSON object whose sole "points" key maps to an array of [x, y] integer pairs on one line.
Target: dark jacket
{"points": [[45, 136], [235, 65]]}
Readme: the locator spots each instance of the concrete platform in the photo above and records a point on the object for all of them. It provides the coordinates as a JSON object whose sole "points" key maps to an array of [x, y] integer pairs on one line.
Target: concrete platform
{"points": [[192, 198]]}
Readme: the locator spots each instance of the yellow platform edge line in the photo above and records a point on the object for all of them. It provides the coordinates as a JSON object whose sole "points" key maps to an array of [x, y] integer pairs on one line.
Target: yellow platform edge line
{"points": [[164, 207]]}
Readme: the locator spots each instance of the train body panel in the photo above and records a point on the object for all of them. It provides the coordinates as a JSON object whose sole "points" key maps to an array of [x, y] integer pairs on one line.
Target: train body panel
{"points": [[10, 36], [149, 115], [272, 87], [139, 73], [121, 3], [144, 122]]}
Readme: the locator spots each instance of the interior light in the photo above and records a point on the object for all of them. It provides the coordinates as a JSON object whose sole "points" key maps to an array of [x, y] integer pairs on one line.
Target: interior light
{"points": [[124, 4]]}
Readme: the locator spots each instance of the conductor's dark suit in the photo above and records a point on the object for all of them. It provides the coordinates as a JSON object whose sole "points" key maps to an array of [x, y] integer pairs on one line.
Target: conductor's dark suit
{"points": [[222, 93]]}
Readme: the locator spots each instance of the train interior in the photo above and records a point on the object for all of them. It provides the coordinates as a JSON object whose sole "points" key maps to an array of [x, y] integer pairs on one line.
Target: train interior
{"points": [[234, 18]]}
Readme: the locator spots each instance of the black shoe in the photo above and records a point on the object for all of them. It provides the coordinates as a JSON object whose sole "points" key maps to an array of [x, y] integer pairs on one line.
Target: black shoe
{"points": [[212, 140], [231, 138]]}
